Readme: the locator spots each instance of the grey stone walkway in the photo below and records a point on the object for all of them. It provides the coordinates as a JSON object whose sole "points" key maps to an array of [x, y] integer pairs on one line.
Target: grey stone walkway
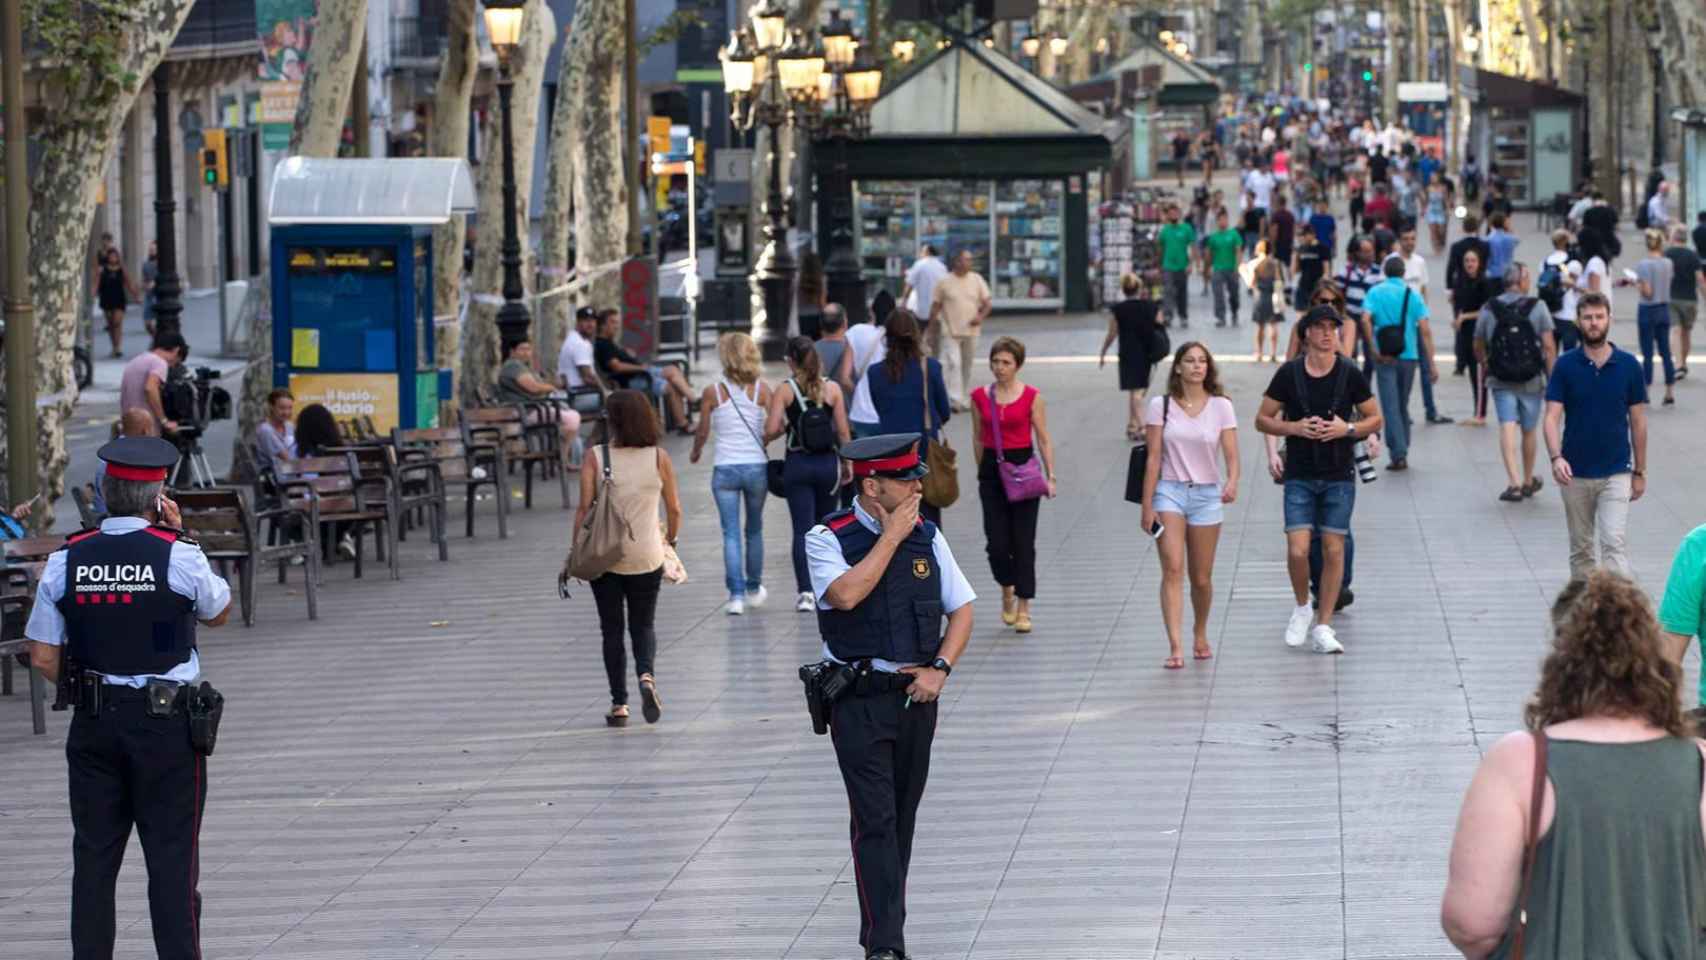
{"points": [[424, 772]]}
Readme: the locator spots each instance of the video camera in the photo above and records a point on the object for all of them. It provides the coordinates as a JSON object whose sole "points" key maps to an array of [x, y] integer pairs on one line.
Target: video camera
{"points": [[192, 400]]}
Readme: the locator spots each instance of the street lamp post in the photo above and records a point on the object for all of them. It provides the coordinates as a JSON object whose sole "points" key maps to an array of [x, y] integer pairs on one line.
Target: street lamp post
{"points": [[769, 76], [840, 113], [1655, 55], [503, 26], [168, 287]]}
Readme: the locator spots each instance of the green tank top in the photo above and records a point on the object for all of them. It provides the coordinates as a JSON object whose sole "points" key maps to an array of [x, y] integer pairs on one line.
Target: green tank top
{"points": [[1621, 872]]}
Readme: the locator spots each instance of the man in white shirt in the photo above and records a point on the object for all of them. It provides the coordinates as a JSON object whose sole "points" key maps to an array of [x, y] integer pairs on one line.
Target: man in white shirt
{"points": [[575, 363], [1261, 183], [921, 279], [1658, 210], [1416, 278]]}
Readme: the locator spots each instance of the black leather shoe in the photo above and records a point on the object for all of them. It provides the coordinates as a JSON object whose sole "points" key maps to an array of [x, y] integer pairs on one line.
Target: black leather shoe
{"points": [[886, 955], [1398, 465], [1346, 598]]}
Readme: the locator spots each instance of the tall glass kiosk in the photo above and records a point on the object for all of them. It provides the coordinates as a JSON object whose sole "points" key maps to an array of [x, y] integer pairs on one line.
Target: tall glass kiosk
{"points": [[352, 285]]}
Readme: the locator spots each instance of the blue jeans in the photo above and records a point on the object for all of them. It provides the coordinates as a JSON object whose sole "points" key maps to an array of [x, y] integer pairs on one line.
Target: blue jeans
{"points": [[730, 485], [1323, 506], [808, 480], [1428, 406], [1653, 320], [1393, 380]]}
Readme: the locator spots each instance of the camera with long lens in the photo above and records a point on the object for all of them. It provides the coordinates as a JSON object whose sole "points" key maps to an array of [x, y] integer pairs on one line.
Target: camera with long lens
{"points": [[191, 398], [1365, 463]]}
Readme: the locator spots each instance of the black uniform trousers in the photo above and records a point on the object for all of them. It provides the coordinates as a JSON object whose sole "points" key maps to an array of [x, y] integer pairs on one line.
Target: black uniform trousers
{"points": [[129, 768], [883, 748]]}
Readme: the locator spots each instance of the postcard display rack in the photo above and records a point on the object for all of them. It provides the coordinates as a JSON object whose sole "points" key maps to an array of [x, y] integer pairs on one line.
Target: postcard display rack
{"points": [[1128, 240]]}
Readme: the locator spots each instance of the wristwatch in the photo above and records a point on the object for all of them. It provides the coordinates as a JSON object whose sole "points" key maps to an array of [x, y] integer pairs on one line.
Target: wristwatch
{"points": [[942, 665]]}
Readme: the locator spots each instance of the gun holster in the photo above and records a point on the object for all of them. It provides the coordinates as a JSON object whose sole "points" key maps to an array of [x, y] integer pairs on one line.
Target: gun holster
{"points": [[205, 706], [826, 682]]}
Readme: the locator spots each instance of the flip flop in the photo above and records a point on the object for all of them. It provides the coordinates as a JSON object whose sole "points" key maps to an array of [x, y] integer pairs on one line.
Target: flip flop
{"points": [[1173, 663], [1198, 655]]}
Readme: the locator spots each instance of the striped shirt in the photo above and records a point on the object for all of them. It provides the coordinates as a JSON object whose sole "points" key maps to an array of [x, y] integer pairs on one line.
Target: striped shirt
{"points": [[1355, 280]]}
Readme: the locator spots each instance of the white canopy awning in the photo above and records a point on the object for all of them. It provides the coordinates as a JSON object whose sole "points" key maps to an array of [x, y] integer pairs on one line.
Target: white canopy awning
{"points": [[415, 190]]}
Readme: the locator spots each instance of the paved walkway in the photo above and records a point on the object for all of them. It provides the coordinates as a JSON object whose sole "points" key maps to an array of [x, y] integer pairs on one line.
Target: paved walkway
{"points": [[424, 771]]}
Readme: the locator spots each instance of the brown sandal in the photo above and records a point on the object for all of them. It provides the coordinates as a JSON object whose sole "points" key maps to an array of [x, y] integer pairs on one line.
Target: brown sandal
{"points": [[618, 715], [651, 707]]}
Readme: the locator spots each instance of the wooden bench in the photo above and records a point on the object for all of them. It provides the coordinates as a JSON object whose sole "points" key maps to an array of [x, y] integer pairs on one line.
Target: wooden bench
{"points": [[459, 460], [411, 487], [331, 490], [228, 530], [522, 442]]}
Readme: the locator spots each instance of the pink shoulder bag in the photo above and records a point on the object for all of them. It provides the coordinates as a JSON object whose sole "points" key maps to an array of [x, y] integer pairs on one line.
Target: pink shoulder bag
{"points": [[1019, 481]]}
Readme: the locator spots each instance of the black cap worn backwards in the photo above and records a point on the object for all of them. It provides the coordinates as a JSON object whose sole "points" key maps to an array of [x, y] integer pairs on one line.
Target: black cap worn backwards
{"points": [[138, 458], [892, 455]]}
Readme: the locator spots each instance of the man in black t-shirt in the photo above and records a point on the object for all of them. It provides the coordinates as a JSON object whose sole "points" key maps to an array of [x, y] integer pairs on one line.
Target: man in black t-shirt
{"points": [[1307, 403], [625, 370]]}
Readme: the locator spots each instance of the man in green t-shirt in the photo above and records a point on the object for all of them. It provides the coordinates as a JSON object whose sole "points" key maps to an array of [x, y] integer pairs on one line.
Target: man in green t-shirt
{"points": [[1178, 243], [1224, 246], [1682, 614]]}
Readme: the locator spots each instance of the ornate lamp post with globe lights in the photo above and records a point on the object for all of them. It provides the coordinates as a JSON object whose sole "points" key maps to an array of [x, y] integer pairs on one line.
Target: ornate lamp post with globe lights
{"points": [[503, 25], [841, 112]]}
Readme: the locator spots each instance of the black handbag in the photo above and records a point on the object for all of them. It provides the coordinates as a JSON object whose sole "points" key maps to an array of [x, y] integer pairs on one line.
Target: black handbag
{"points": [[1139, 461], [1389, 340], [772, 468]]}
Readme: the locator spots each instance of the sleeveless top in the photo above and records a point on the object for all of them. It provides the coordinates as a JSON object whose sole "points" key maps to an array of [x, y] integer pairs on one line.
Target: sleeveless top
{"points": [[739, 423], [1622, 870], [1015, 418], [638, 487], [796, 407]]}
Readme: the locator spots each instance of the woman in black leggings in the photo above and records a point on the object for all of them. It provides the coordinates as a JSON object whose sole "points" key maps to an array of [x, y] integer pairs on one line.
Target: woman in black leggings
{"points": [[1472, 292], [1005, 416]]}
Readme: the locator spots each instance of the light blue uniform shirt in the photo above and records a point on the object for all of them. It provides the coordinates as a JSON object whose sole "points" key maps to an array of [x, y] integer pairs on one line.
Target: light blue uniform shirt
{"points": [[187, 573], [826, 563], [1384, 301]]}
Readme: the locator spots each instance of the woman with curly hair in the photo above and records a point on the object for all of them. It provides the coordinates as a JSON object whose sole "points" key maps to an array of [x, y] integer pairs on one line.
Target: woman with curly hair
{"points": [[1619, 863]]}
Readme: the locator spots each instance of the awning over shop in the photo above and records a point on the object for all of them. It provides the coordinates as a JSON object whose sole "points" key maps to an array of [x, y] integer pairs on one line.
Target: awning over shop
{"points": [[1183, 83]]}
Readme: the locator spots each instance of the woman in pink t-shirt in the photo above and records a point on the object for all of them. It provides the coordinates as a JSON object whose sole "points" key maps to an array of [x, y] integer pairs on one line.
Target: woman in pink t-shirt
{"points": [[1184, 489]]}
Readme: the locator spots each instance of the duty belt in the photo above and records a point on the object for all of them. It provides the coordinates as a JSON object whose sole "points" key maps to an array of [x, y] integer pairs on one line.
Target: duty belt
{"points": [[871, 682]]}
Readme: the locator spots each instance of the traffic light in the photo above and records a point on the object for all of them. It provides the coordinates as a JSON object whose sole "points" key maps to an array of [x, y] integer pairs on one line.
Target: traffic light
{"points": [[1307, 67], [1368, 76], [215, 170]]}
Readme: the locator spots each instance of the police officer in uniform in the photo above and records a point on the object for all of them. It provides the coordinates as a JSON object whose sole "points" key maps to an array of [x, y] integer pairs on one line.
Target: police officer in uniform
{"points": [[114, 618], [884, 580]]}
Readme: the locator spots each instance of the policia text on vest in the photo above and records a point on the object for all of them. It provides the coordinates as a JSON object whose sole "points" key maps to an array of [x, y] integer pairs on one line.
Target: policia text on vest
{"points": [[114, 625], [884, 580]]}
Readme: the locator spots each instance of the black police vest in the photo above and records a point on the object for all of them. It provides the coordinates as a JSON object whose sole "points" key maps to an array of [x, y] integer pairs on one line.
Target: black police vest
{"points": [[121, 615], [901, 619]]}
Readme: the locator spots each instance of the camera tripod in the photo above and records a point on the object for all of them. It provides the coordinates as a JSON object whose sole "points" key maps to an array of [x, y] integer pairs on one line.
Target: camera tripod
{"points": [[191, 459]]}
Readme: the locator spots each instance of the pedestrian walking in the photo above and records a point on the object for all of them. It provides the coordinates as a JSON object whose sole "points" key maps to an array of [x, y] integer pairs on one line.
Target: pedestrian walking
{"points": [[1557, 288], [1178, 252], [1688, 278], [1220, 265], [921, 279], [811, 412], [866, 341], [1514, 341], [834, 353], [1501, 246], [1308, 266], [113, 290], [1396, 322], [907, 390], [1596, 437], [1185, 491], [1307, 402], [1682, 612], [640, 476], [1005, 417], [1360, 273], [959, 304], [734, 407], [1416, 278], [1654, 274], [1134, 324], [884, 580], [1435, 215], [1594, 809], [136, 752], [1266, 276], [1471, 293]]}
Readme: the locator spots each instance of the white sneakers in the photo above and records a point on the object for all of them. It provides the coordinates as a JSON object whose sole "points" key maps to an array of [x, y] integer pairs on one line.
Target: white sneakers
{"points": [[756, 598], [1302, 626], [806, 603], [1323, 640], [735, 607], [1297, 628]]}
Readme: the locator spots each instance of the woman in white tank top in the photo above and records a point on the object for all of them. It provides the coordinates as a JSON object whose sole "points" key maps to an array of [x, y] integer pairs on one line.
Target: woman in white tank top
{"points": [[736, 406]]}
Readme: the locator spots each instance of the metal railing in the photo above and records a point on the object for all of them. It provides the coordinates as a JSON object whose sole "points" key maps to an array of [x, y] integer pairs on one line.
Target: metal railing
{"points": [[417, 38]]}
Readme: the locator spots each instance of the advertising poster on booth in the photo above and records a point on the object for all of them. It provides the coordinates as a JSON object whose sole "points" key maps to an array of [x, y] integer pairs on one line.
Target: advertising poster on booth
{"points": [[350, 395]]}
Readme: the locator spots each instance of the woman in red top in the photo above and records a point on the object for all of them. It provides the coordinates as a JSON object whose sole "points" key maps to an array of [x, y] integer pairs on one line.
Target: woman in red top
{"points": [[1010, 528]]}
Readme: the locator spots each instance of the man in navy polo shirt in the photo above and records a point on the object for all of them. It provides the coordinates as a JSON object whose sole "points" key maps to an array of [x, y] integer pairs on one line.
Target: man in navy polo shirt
{"points": [[1597, 399]]}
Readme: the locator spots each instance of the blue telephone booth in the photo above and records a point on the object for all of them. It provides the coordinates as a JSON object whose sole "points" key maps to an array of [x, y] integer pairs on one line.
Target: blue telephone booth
{"points": [[352, 283]]}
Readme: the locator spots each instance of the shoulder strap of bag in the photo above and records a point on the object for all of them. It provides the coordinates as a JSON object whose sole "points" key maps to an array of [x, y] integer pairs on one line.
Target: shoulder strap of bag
{"points": [[746, 423], [604, 459], [924, 370], [1537, 796], [995, 405], [1404, 308]]}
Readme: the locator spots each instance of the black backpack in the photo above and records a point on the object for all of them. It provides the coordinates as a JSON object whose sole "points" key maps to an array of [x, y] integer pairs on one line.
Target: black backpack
{"points": [[815, 430], [1513, 351]]}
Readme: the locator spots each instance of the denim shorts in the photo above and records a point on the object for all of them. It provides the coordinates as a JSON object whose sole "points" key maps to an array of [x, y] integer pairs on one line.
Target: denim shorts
{"points": [[1320, 505], [658, 384], [1518, 406], [1198, 503]]}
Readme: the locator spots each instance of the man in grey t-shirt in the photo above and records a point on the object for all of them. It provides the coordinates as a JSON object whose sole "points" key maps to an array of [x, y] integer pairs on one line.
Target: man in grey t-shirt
{"points": [[1518, 402], [1653, 277]]}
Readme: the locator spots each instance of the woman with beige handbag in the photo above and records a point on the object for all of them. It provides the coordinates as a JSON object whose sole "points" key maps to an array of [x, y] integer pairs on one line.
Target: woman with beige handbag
{"points": [[910, 396], [622, 482]]}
